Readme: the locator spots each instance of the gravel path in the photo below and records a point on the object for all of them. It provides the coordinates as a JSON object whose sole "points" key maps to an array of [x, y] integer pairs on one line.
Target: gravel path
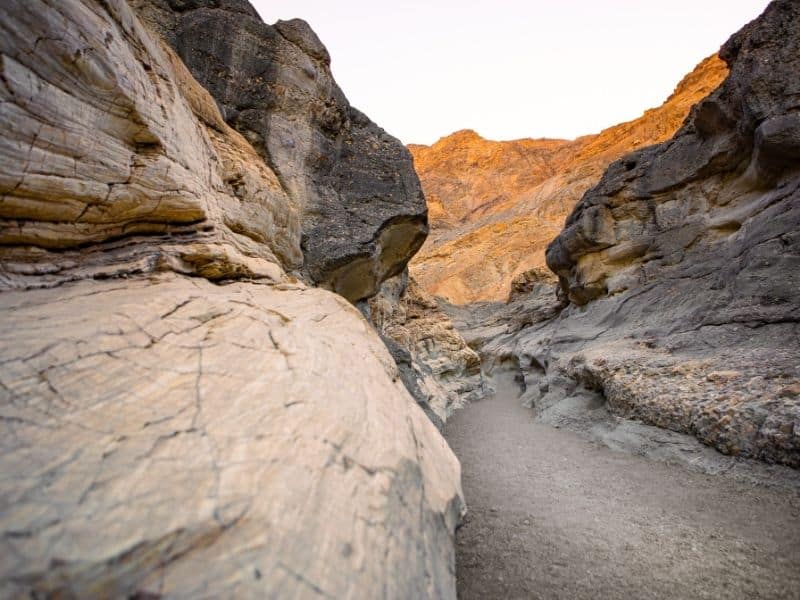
{"points": [[555, 515]]}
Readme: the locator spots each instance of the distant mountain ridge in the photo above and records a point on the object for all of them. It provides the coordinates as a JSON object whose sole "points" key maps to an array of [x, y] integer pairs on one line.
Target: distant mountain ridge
{"points": [[494, 206]]}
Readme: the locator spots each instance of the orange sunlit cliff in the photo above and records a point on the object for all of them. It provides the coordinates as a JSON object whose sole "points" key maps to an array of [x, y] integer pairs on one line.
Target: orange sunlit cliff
{"points": [[494, 206]]}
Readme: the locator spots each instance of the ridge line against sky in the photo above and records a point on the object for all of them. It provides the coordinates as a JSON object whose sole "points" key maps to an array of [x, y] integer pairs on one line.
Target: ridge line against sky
{"points": [[511, 69]]}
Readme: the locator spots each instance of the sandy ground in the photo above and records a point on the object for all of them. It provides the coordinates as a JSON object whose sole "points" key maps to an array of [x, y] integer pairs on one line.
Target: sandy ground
{"points": [[554, 514]]}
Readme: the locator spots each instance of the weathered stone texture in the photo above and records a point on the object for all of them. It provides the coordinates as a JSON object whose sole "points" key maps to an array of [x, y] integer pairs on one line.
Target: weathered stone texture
{"points": [[172, 437], [441, 371], [714, 202], [362, 209], [168, 435], [116, 161]]}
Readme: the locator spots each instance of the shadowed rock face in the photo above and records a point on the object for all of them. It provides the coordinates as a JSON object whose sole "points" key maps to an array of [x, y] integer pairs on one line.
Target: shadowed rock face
{"points": [[706, 204], [682, 270], [176, 418], [494, 206], [362, 209], [437, 366]]}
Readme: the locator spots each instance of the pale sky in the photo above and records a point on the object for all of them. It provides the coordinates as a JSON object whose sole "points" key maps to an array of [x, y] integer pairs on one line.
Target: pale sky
{"points": [[512, 68]]}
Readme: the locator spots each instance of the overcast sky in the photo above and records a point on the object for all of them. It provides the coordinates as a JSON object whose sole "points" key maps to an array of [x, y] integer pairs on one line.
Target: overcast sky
{"points": [[512, 68]]}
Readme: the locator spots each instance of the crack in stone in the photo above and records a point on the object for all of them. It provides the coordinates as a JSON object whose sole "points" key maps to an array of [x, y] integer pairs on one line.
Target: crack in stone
{"points": [[306, 582]]}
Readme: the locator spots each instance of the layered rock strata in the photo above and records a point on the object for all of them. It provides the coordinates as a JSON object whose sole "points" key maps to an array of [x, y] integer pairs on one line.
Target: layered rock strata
{"points": [[441, 371], [360, 204], [175, 413]]}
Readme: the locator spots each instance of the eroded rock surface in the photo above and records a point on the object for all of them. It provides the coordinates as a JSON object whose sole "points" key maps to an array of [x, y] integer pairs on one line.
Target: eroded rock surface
{"points": [[176, 417], [707, 204], [441, 371], [361, 206], [494, 206], [172, 437], [116, 161], [681, 267]]}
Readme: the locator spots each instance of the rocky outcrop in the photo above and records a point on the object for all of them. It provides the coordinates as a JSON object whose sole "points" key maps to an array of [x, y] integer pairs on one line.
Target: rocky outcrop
{"points": [[176, 417], [115, 161], [361, 207], [494, 206], [723, 188], [528, 282], [169, 437], [681, 269], [441, 371]]}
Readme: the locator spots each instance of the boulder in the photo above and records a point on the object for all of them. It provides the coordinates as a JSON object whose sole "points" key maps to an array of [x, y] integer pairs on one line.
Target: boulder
{"points": [[168, 437], [180, 414]]}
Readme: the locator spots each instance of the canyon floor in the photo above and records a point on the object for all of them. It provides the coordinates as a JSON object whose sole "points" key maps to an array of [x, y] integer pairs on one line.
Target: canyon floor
{"points": [[554, 513]]}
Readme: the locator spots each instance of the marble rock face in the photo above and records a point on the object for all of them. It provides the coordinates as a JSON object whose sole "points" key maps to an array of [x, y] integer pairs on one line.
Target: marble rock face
{"points": [[116, 161], [679, 272], [181, 415]]}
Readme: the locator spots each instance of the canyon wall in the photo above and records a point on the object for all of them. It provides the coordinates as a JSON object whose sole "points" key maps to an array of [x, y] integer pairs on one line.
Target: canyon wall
{"points": [[440, 370], [176, 414], [679, 301], [362, 210], [494, 206]]}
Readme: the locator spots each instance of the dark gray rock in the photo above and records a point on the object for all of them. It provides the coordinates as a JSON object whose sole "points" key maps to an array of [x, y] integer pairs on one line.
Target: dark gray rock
{"points": [[683, 265], [411, 373], [691, 195], [363, 212]]}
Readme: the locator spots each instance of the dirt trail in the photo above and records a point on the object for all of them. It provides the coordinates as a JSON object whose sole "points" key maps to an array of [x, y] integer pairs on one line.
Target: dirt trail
{"points": [[555, 515]]}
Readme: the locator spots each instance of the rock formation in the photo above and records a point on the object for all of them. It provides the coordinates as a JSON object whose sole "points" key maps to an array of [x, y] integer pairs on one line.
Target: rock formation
{"points": [[273, 84], [494, 206], [166, 436], [440, 370], [175, 410], [682, 269]]}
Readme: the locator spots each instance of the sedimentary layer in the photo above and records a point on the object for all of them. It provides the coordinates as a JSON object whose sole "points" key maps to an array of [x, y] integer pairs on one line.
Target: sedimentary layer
{"points": [[176, 417]]}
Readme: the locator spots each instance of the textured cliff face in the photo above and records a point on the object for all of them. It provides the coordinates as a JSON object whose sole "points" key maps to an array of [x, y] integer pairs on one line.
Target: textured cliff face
{"points": [[174, 415], [172, 437], [440, 370], [723, 188], [116, 161], [681, 267], [361, 208], [494, 206]]}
